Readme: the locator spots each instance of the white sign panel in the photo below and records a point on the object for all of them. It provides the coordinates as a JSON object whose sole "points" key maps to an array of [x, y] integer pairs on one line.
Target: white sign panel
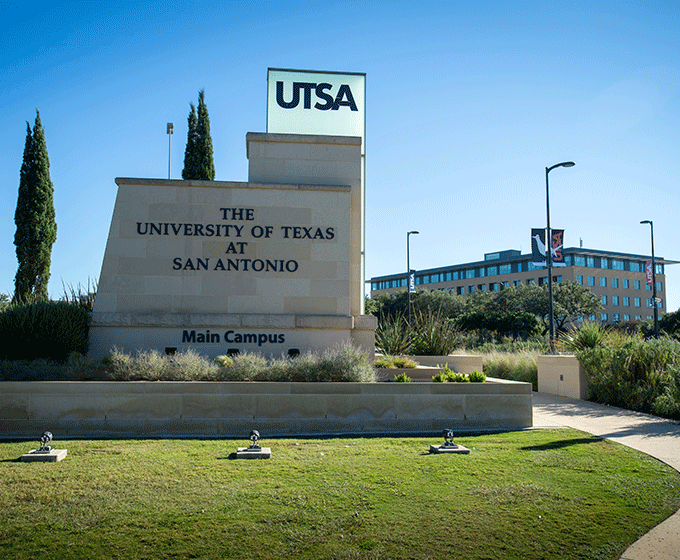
{"points": [[311, 102]]}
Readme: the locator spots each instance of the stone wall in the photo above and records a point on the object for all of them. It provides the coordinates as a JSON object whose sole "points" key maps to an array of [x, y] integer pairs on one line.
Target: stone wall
{"points": [[232, 409]]}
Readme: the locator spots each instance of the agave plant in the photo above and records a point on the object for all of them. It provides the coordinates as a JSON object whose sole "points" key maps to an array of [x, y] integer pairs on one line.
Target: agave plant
{"points": [[392, 335]]}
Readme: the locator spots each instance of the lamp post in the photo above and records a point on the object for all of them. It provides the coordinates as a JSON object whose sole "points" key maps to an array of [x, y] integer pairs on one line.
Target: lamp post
{"points": [[169, 130], [656, 307], [408, 274], [548, 251]]}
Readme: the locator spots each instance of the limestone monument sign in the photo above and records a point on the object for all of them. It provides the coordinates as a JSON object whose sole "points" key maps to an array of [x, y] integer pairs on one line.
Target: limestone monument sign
{"points": [[271, 266]]}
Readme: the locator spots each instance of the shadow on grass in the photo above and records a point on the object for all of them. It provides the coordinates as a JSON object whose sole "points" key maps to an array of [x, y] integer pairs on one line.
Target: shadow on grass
{"points": [[561, 444]]}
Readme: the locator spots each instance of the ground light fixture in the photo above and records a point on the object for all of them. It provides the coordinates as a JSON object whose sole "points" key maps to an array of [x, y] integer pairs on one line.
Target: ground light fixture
{"points": [[654, 299], [254, 451], [45, 454], [548, 251], [449, 446]]}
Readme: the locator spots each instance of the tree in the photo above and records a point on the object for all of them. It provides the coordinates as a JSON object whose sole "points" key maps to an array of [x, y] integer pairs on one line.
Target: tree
{"points": [[190, 167], [34, 218], [198, 155], [204, 160]]}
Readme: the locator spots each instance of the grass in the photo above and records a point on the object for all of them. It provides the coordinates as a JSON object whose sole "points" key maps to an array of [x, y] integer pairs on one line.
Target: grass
{"points": [[539, 494], [516, 366]]}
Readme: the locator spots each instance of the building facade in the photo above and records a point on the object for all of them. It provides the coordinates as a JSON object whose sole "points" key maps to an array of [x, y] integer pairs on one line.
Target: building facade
{"points": [[618, 279]]}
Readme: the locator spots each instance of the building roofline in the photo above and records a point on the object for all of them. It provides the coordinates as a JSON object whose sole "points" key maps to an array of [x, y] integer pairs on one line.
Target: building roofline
{"points": [[523, 257]]}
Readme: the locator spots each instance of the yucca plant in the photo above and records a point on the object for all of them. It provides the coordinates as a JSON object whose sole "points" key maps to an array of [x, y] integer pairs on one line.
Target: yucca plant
{"points": [[435, 335], [392, 335]]}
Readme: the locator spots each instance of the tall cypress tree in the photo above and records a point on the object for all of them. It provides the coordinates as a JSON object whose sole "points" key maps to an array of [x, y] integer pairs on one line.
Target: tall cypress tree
{"points": [[34, 217], [189, 171], [204, 160]]}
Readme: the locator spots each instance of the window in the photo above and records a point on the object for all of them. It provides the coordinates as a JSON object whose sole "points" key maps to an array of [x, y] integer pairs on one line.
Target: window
{"points": [[455, 275], [626, 301], [603, 281], [493, 287], [617, 265], [568, 260], [470, 273], [504, 269], [658, 268], [516, 282], [636, 284], [626, 283], [604, 317], [557, 279], [637, 302], [426, 279], [491, 271], [542, 281], [579, 279], [603, 263], [591, 280], [579, 260], [638, 317], [460, 290], [615, 282], [635, 266], [648, 287], [615, 300], [531, 282], [471, 289], [626, 317], [591, 317], [506, 284], [519, 267], [590, 262], [616, 317], [649, 302], [481, 287], [603, 299], [659, 287]]}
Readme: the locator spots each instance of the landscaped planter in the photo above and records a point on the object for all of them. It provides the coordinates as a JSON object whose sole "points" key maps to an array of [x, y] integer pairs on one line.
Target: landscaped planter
{"points": [[562, 375], [232, 409]]}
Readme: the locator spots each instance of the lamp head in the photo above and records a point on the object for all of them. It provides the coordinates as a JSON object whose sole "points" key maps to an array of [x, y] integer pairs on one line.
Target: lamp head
{"points": [[414, 232], [646, 222]]}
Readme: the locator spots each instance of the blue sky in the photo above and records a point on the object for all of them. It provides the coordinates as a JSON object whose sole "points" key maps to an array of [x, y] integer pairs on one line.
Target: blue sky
{"points": [[467, 103]]}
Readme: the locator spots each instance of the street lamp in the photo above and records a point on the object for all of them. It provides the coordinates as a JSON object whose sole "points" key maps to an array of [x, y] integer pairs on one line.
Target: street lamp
{"points": [[169, 130], [656, 307], [548, 251], [408, 274]]}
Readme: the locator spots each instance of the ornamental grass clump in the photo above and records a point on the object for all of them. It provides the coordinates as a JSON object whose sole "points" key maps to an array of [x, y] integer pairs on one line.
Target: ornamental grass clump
{"points": [[514, 366], [396, 362]]}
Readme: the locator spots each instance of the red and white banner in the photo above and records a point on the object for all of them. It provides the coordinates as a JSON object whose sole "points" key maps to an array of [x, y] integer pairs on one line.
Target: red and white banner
{"points": [[650, 273]]}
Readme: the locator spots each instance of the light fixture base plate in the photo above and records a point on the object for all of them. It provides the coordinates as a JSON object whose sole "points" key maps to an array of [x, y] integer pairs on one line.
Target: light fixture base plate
{"points": [[249, 453], [51, 456], [449, 449]]}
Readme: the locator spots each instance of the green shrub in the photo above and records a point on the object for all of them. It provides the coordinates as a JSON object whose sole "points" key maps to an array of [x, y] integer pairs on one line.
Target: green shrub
{"points": [[224, 361], [476, 376], [342, 363], [402, 378], [43, 330], [632, 373]]}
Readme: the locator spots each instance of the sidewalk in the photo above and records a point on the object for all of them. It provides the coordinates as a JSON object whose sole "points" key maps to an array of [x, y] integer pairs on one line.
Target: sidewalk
{"points": [[654, 436]]}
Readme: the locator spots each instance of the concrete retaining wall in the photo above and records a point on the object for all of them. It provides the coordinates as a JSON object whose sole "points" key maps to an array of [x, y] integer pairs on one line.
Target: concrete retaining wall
{"points": [[562, 375], [461, 363], [232, 409]]}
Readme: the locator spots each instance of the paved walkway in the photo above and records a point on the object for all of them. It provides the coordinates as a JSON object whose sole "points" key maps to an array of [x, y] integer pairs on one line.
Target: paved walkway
{"points": [[649, 434]]}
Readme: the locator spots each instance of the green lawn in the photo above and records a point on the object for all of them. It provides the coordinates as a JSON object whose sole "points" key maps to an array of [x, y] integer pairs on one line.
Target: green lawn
{"points": [[539, 494]]}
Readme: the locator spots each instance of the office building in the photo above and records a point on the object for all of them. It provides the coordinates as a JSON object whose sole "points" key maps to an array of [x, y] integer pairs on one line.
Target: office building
{"points": [[618, 279]]}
